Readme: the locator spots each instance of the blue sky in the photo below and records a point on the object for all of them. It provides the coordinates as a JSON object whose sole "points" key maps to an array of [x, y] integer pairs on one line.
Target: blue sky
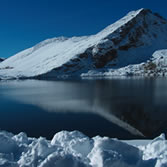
{"points": [[23, 23]]}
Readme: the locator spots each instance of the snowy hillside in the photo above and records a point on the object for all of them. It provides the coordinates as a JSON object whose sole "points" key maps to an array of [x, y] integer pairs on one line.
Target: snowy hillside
{"points": [[74, 149], [131, 40]]}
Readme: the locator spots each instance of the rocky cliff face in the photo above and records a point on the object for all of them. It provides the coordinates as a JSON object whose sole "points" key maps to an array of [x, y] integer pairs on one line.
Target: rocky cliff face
{"points": [[131, 40]]}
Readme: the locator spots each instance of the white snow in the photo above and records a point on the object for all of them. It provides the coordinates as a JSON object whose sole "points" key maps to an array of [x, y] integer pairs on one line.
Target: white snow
{"points": [[160, 58], [74, 149]]}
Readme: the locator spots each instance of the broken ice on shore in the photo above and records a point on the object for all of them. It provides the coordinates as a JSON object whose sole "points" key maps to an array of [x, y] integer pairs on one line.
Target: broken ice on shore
{"points": [[74, 149]]}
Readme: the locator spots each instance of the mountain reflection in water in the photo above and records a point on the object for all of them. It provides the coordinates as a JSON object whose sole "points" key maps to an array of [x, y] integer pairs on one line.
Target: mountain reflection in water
{"points": [[136, 105]]}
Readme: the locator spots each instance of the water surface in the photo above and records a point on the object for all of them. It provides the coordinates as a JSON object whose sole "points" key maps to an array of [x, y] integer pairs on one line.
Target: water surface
{"points": [[122, 108]]}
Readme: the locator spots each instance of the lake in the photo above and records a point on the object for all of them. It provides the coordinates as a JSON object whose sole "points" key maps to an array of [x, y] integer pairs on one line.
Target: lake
{"points": [[125, 108]]}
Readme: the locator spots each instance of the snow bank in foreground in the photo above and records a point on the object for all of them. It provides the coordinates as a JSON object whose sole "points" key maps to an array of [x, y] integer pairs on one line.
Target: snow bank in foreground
{"points": [[74, 149]]}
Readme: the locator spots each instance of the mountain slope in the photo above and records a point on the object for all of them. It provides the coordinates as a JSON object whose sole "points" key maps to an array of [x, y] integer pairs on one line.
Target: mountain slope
{"points": [[130, 40]]}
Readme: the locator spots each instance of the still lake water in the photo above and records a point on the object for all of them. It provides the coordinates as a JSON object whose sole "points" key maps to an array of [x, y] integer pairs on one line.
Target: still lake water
{"points": [[122, 108]]}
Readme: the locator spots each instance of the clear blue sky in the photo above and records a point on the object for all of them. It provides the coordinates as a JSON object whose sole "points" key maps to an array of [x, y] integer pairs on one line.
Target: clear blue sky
{"points": [[23, 23]]}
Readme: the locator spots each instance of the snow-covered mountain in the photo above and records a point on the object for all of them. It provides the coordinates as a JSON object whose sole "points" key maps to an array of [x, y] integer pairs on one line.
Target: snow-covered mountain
{"points": [[131, 40]]}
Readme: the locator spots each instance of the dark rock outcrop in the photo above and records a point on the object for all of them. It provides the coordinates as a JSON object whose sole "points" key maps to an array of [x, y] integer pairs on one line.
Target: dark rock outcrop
{"points": [[2, 59]]}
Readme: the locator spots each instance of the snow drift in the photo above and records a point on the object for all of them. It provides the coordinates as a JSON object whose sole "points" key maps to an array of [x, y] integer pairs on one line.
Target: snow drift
{"points": [[131, 40], [74, 149]]}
